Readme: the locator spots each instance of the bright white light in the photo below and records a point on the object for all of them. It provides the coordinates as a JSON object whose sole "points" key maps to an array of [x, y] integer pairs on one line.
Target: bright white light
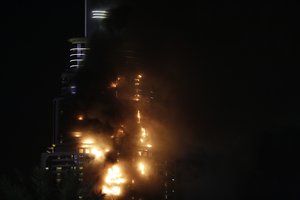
{"points": [[98, 17], [77, 54], [99, 11], [76, 60], [74, 66], [99, 14], [79, 48]]}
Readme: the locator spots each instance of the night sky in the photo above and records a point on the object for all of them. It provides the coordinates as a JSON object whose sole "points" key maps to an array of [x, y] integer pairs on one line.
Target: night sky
{"points": [[229, 79]]}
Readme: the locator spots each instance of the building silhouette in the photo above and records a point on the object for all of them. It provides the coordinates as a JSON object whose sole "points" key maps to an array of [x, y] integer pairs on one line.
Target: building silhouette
{"points": [[70, 120]]}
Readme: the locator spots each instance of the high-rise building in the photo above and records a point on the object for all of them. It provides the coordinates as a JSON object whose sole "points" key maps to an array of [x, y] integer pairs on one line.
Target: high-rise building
{"points": [[64, 153], [95, 12], [72, 148]]}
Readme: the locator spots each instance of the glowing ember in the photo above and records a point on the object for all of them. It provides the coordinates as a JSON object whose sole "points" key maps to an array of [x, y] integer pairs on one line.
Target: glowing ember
{"points": [[149, 145], [80, 117], [113, 85], [139, 116], [113, 181], [77, 134]]}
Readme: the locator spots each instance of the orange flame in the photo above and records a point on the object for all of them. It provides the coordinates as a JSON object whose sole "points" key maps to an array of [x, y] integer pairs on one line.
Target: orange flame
{"points": [[113, 181]]}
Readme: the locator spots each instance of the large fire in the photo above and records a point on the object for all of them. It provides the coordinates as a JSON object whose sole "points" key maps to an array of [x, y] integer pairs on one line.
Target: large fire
{"points": [[113, 182], [92, 147]]}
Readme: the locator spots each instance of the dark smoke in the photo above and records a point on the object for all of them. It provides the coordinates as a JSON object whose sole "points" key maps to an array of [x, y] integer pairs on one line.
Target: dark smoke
{"points": [[166, 119], [224, 100]]}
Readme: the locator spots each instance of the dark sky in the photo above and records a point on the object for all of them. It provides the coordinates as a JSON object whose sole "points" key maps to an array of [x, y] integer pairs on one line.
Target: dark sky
{"points": [[230, 70]]}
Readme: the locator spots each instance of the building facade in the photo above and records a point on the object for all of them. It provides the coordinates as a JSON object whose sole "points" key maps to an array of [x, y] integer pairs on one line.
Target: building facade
{"points": [[128, 146]]}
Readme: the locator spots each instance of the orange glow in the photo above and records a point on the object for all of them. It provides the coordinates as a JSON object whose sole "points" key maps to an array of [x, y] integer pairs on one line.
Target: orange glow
{"points": [[113, 85], [97, 153], [141, 168], [114, 190], [113, 181], [77, 134], [140, 76], [88, 141], [143, 132], [80, 117], [120, 133], [139, 116], [91, 145]]}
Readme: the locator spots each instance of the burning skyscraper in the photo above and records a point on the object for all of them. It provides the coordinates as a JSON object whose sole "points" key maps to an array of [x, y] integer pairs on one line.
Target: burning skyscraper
{"points": [[102, 125]]}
